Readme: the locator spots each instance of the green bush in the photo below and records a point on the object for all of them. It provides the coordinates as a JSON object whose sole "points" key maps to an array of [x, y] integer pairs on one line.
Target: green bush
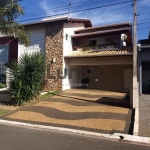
{"points": [[28, 77], [2, 85]]}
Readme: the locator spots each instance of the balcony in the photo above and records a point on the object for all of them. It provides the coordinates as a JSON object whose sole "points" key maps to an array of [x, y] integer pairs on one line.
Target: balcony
{"points": [[112, 46]]}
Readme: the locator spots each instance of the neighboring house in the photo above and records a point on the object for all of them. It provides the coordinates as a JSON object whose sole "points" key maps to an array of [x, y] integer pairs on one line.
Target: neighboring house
{"points": [[8, 52], [75, 50], [144, 66]]}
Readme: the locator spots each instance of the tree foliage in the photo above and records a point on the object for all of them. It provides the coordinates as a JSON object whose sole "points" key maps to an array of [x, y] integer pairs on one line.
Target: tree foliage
{"points": [[10, 10], [28, 77]]}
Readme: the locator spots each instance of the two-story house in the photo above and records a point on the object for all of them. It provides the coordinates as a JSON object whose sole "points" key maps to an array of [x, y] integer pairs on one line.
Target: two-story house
{"points": [[75, 51], [144, 66]]}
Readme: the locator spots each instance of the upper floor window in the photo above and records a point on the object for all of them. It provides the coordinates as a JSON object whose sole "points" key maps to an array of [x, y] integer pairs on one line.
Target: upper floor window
{"points": [[36, 42]]}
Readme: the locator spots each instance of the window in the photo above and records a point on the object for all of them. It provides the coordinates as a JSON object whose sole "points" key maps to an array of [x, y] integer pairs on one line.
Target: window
{"points": [[36, 42], [92, 42], [88, 71], [3, 54]]}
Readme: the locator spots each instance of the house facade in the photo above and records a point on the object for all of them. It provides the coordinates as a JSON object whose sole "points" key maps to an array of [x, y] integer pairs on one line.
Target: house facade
{"points": [[79, 54], [144, 66]]}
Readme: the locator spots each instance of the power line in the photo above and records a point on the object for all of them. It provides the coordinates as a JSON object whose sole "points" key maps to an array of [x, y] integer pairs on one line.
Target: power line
{"points": [[55, 8], [81, 10], [143, 28], [65, 6]]}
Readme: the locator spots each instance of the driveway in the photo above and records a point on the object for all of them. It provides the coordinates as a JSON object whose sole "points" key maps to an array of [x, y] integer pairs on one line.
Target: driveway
{"points": [[90, 110], [144, 117]]}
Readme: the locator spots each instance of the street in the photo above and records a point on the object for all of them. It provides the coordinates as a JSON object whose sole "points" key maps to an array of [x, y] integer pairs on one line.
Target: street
{"points": [[19, 138]]}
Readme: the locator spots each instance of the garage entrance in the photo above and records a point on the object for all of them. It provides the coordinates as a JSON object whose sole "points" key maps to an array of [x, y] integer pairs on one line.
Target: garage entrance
{"points": [[102, 77]]}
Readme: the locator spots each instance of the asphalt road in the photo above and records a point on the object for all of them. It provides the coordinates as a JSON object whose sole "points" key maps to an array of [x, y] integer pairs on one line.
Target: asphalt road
{"points": [[18, 138]]}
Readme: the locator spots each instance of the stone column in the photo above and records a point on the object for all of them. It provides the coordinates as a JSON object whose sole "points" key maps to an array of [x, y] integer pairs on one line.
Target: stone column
{"points": [[54, 55]]}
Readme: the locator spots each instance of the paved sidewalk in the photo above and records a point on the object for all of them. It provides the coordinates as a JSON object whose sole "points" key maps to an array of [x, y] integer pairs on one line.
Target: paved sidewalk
{"points": [[96, 114], [144, 118]]}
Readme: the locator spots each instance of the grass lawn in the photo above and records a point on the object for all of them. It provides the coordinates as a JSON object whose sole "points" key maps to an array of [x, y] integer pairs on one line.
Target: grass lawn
{"points": [[48, 95], [2, 112], [42, 97], [28, 103]]}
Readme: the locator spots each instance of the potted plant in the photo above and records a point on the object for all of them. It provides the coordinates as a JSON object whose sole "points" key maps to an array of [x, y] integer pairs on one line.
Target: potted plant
{"points": [[85, 82]]}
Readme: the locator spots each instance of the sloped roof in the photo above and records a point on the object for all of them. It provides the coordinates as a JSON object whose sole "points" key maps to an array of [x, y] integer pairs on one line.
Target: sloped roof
{"points": [[124, 50], [104, 27], [120, 30], [144, 43], [87, 22]]}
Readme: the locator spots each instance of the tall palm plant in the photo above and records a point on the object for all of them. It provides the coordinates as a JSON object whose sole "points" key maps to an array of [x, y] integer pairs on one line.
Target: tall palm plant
{"points": [[9, 11], [28, 76]]}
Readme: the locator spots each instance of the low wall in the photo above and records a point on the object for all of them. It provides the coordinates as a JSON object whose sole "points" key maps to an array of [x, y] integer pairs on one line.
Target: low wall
{"points": [[5, 95]]}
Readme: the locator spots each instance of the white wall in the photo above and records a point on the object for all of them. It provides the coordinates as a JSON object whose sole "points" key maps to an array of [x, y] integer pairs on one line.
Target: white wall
{"points": [[36, 32], [69, 29]]}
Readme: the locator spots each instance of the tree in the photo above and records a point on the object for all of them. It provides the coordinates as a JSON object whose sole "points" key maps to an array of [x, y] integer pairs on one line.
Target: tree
{"points": [[9, 11]]}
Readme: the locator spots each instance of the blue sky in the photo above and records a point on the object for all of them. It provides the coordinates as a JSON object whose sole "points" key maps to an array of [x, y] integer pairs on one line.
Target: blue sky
{"points": [[100, 16]]}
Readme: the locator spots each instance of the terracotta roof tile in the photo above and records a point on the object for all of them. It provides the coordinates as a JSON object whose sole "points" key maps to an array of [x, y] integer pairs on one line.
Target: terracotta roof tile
{"points": [[121, 51]]}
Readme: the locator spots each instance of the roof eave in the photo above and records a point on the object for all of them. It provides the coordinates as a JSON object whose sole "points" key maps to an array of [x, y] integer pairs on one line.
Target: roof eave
{"points": [[85, 56], [100, 32], [111, 25]]}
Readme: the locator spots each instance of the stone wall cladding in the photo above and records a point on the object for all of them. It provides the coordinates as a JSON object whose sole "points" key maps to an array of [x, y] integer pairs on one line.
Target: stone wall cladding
{"points": [[54, 49]]}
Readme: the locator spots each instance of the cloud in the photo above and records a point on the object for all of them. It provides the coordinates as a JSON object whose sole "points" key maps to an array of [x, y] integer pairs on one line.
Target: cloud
{"points": [[106, 15], [145, 2], [101, 16], [46, 7], [53, 8]]}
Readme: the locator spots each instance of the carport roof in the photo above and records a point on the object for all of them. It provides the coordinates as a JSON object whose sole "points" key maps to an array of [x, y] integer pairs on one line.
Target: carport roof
{"points": [[124, 50]]}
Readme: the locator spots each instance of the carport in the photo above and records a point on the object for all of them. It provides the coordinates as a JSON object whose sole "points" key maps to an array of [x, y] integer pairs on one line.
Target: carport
{"points": [[105, 72]]}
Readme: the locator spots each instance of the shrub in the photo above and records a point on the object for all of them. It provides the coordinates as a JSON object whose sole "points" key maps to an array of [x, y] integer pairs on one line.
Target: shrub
{"points": [[2, 85], [28, 77]]}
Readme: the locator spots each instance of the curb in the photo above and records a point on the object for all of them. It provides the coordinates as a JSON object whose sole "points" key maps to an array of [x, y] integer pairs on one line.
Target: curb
{"points": [[115, 136], [136, 122]]}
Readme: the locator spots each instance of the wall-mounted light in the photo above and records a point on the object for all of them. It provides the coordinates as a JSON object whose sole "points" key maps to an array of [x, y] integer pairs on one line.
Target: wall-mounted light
{"points": [[53, 60], [66, 36]]}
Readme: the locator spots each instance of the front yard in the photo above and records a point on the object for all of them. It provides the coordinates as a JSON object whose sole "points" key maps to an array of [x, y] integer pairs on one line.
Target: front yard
{"points": [[6, 107], [90, 110]]}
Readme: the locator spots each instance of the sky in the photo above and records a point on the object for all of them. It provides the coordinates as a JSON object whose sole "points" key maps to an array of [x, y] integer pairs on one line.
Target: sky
{"points": [[100, 12]]}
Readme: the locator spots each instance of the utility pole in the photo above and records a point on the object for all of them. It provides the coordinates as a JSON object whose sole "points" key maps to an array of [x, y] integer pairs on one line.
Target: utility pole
{"points": [[69, 8], [135, 42], [135, 100]]}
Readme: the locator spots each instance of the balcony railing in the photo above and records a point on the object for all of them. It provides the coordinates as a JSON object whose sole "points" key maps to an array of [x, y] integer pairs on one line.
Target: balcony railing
{"points": [[97, 47]]}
